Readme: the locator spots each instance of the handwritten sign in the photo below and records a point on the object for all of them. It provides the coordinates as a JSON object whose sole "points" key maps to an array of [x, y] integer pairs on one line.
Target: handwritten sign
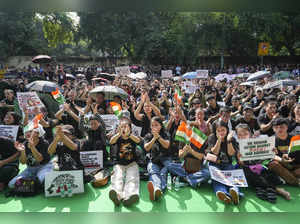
{"points": [[91, 160], [9, 131], [229, 177]]}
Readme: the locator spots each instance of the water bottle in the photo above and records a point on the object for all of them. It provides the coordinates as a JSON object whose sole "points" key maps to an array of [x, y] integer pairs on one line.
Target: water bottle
{"points": [[169, 182], [177, 184]]}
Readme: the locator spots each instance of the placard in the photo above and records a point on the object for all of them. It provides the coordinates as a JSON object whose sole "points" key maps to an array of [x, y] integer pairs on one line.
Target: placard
{"points": [[136, 130], [91, 160], [110, 121], [122, 70], [260, 148], [166, 74], [229, 177], [31, 102], [202, 74], [9, 131], [64, 183]]}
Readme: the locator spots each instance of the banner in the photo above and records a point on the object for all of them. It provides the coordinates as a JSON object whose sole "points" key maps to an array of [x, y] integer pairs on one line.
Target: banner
{"points": [[31, 102], [122, 70], [260, 148], [9, 131], [63, 183], [263, 49], [91, 160], [229, 177], [166, 74], [202, 74]]}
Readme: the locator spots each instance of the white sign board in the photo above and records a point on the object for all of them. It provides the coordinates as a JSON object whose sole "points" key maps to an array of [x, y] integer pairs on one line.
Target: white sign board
{"points": [[31, 102], [257, 148], [110, 121], [229, 177], [122, 70], [202, 74], [166, 74], [136, 130], [62, 183], [9, 131], [91, 160]]}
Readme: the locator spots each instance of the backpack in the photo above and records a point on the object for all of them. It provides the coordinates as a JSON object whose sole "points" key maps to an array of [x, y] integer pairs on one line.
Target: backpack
{"points": [[25, 187]]}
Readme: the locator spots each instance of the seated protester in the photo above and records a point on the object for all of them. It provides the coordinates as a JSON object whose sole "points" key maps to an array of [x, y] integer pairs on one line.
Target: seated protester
{"points": [[196, 103], [225, 117], [294, 124], [265, 120], [263, 180], [12, 118], [282, 164], [157, 143], [224, 147], [236, 108], [249, 119], [146, 116], [9, 164], [212, 111], [268, 99], [200, 123], [287, 109], [176, 116], [257, 102], [33, 153], [125, 180]]}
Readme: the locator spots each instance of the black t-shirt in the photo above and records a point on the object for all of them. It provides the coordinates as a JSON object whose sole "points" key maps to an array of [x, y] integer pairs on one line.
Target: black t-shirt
{"points": [[157, 151], [255, 103], [7, 150], [253, 124], [69, 159], [124, 151], [42, 148], [285, 111], [264, 119], [282, 146], [145, 124], [209, 112]]}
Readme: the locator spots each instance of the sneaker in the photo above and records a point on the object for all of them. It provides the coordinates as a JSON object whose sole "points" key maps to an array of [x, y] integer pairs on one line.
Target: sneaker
{"points": [[151, 191], [223, 197], [114, 197], [132, 200], [157, 194], [235, 196]]}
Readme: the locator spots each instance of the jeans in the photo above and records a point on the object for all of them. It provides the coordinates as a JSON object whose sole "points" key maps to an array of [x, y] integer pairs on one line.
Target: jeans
{"points": [[32, 171], [217, 186], [158, 174], [193, 179]]}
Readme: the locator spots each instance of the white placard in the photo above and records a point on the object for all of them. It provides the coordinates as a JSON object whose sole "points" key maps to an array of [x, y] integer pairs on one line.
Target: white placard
{"points": [[229, 177], [61, 183], [136, 130], [202, 74], [9, 131], [91, 160], [257, 148], [122, 70], [166, 74], [31, 102], [110, 121]]}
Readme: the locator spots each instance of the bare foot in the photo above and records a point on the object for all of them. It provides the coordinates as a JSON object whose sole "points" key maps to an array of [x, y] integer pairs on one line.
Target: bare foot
{"points": [[283, 193]]}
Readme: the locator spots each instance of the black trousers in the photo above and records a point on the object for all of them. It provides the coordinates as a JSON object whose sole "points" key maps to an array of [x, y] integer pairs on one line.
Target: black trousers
{"points": [[7, 173]]}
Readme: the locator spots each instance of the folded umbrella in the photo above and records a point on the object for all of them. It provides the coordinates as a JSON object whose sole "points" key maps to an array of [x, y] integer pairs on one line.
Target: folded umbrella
{"points": [[280, 83]]}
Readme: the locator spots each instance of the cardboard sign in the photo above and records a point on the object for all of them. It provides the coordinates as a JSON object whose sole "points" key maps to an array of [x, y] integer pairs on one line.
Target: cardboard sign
{"points": [[202, 74], [92, 160], [122, 70], [31, 102], [64, 183], [166, 74], [229, 177], [110, 121], [9, 131], [260, 148]]}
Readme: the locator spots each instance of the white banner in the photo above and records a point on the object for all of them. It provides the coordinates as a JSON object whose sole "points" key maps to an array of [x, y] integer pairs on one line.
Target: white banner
{"points": [[166, 74], [229, 177], [122, 70], [9, 131], [62, 183], [31, 102], [91, 160], [257, 148], [202, 74]]}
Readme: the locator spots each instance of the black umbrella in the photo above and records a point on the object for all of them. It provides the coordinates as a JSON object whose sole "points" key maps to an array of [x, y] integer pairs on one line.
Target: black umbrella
{"points": [[42, 86], [42, 59]]}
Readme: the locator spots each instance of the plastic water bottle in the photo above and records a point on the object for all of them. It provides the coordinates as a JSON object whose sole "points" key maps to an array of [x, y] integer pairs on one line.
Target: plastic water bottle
{"points": [[177, 184], [169, 182]]}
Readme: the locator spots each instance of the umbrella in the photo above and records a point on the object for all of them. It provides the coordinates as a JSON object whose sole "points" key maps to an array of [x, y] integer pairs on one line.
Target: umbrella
{"points": [[221, 77], [190, 75], [69, 76], [250, 83], [42, 86], [109, 91], [110, 77], [282, 75], [243, 75], [80, 76], [280, 83], [258, 75], [139, 75], [42, 59]]}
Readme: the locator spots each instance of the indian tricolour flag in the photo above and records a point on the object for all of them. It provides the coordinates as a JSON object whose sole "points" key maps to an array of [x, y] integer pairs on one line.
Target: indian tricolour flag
{"points": [[187, 135], [58, 96], [117, 109], [294, 144], [178, 95], [33, 124]]}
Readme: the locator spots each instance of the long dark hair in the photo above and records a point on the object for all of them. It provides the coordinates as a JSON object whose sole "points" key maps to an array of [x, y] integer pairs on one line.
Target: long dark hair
{"points": [[220, 123], [160, 121]]}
